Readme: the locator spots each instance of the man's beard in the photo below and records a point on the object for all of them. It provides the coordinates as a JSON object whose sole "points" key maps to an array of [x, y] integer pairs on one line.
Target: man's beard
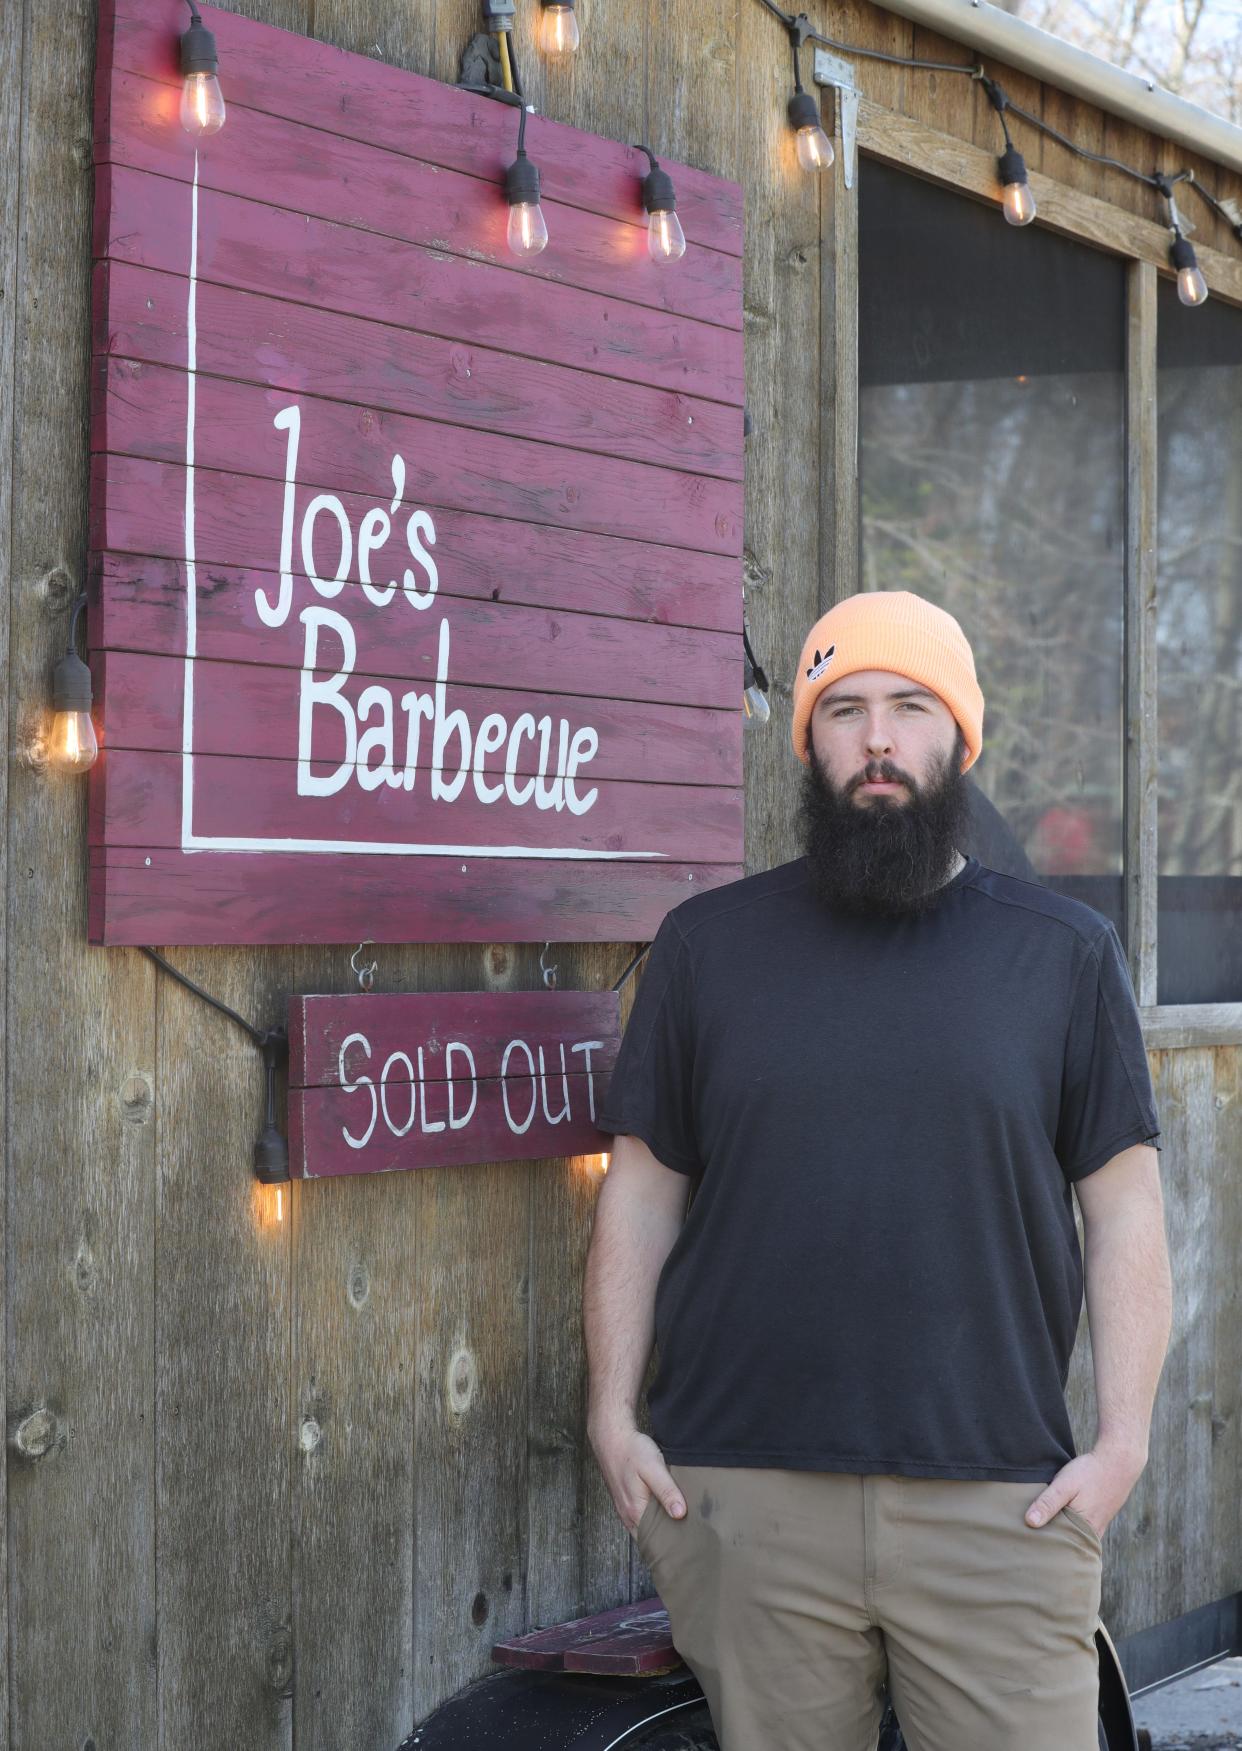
{"points": [[887, 856]]}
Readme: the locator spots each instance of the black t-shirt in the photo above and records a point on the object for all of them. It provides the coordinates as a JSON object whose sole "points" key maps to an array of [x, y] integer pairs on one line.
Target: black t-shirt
{"points": [[879, 1269]]}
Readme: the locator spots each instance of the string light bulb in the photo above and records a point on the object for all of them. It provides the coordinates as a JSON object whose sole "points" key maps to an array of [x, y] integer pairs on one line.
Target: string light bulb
{"points": [[73, 743], [1017, 202], [558, 28], [666, 241], [754, 682], [202, 103], [271, 1151], [528, 230], [814, 147], [1191, 285]]}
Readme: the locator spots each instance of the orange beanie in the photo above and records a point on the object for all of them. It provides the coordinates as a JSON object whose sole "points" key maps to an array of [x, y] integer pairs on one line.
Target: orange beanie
{"points": [[896, 630]]}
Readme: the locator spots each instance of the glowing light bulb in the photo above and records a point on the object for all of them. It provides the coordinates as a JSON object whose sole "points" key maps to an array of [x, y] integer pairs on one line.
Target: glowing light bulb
{"points": [[813, 145], [1017, 202], [666, 241], [73, 746], [270, 1204], [202, 104], [528, 231], [558, 28], [814, 148], [1191, 285]]}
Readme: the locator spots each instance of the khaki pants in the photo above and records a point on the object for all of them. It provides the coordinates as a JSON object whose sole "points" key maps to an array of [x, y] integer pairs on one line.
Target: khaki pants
{"points": [[795, 1597]]}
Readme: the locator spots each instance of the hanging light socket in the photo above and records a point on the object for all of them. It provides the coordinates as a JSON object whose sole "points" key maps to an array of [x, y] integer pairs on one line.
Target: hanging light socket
{"points": [[814, 147], [202, 104], [666, 241], [1019, 202], [1191, 286], [74, 745], [754, 681], [271, 1152], [522, 180]]}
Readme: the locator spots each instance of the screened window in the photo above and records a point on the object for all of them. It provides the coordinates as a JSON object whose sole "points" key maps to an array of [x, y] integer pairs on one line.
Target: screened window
{"points": [[1199, 650], [991, 460]]}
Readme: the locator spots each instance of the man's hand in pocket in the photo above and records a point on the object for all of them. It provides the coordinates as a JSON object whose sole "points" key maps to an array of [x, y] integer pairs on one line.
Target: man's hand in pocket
{"points": [[634, 1470]]}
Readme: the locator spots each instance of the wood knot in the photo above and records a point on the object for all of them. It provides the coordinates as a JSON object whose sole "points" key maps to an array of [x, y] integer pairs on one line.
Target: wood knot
{"points": [[36, 1434], [84, 1269], [497, 966], [310, 1435], [279, 1661], [137, 1098], [32, 747], [462, 1379], [478, 1610], [359, 1288], [756, 575], [58, 589]]}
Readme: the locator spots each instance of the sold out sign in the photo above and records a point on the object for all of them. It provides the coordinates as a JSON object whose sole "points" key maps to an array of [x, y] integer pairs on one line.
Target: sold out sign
{"points": [[419, 1080]]}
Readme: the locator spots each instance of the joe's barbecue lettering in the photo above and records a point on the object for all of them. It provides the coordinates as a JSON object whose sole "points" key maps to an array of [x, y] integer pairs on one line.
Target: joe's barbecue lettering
{"points": [[384, 738], [402, 1094]]}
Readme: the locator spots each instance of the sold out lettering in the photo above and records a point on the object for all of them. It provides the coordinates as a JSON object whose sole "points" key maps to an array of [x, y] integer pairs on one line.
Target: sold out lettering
{"points": [[455, 750], [400, 1096]]}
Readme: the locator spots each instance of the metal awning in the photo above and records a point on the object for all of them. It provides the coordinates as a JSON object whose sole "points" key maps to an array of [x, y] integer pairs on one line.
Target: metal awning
{"points": [[1012, 40]]}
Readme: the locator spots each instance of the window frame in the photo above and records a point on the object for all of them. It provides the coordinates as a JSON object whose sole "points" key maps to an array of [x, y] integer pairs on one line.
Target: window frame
{"points": [[1143, 245]]}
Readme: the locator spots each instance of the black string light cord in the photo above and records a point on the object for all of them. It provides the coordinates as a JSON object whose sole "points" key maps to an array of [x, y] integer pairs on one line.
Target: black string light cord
{"points": [[800, 31], [646, 949], [271, 1151]]}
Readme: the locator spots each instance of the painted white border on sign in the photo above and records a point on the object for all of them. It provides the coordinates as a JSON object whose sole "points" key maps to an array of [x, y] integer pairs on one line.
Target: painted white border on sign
{"points": [[191, 841]]}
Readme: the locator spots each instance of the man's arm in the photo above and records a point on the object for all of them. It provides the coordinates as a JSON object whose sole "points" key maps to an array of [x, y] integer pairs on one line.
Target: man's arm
{"points": [[1130, 1310], [1129, 1293], [638, 1214]]}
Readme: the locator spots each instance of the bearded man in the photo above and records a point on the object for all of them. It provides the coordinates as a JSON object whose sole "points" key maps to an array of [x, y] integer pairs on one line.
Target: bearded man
{"points": [[855, 1098]]}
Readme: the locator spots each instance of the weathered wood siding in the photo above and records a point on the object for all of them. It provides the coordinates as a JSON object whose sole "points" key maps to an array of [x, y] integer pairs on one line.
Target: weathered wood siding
{"points": [[276, 1487]]}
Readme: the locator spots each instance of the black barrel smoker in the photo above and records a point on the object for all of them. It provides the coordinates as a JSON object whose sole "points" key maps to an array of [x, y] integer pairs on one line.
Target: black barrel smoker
{"points": [[615, 1680]]}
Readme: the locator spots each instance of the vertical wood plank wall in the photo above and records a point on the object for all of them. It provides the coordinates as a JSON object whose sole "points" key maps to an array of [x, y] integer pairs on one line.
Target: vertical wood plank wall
{"points": [[284, 1488]]}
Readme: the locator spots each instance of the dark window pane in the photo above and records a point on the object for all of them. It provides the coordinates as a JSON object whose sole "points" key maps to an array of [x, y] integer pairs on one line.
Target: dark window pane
{"points": [[1199, 650], [992, 482]]}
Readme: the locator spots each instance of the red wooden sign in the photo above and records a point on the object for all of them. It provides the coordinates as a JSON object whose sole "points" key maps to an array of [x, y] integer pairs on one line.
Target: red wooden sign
{"points": [[415, 583], [443, 1079]]}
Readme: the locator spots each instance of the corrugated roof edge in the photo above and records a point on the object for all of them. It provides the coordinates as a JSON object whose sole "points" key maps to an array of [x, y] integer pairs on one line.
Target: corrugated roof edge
{"points": [[1022, 45]]}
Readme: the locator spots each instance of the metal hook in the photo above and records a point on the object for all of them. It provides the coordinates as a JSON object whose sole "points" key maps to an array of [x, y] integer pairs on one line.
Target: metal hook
{"points": [[366, 975], [549, 972]]}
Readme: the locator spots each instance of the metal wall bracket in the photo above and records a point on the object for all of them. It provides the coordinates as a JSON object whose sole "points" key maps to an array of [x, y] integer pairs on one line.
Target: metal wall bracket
{"points": [[833, 70]]}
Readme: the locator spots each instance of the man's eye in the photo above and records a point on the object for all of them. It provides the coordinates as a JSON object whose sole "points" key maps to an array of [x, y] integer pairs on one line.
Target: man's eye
{"points": [[842, 709]]}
